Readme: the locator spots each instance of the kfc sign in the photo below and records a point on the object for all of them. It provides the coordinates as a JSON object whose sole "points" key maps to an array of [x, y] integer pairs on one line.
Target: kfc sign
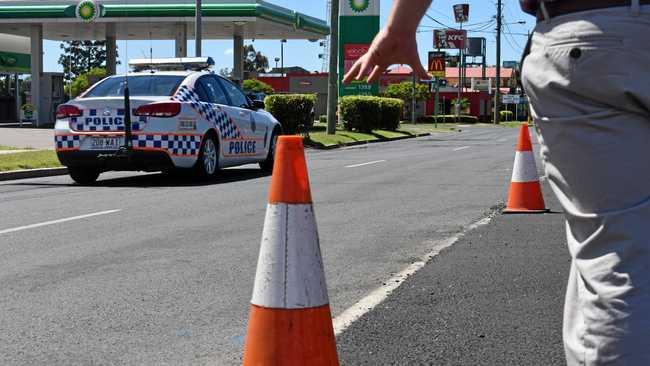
{"points": [[449, 38], [461, 13]]}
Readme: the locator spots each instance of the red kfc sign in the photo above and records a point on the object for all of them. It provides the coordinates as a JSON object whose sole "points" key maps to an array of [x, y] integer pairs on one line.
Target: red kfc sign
{"points": [[449, 38], [461, 13]]}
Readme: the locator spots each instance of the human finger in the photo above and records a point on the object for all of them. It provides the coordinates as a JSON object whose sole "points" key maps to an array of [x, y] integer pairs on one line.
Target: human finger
{"points": [[376, 72], [366, 66], [352, 72]]}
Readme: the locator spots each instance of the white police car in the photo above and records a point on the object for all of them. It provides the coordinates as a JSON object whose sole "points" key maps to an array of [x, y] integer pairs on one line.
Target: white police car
{"points": [[182, 116]]}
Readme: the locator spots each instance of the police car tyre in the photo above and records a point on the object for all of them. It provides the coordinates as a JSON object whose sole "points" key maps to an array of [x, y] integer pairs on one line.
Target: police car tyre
{"points": [[267, 165], [208, 163], [84, 176]]}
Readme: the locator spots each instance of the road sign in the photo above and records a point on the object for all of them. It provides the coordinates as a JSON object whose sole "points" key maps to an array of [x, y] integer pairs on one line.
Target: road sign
{"points": [[449, 38], [461, 13], [511, 98], [437, 64]]}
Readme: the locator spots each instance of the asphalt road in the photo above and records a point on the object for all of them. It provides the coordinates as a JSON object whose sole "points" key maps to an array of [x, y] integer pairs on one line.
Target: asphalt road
{"points": [[495, 298], [167, 279]]}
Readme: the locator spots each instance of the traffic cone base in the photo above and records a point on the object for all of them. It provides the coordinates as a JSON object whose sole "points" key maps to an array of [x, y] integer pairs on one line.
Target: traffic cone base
{"points": [[291, 337], [525, 195], [518, 190]]}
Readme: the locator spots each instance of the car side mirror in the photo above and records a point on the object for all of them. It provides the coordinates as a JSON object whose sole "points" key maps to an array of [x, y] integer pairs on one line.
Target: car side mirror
{"points": [[258, 104]]}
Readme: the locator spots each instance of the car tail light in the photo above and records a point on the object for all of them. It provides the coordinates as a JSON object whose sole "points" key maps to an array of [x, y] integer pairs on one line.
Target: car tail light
{"points": [[159, 109], [67, 110]]}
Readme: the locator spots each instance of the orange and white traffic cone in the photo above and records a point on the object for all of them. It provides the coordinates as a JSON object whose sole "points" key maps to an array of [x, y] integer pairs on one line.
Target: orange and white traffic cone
{"points": [[290, 322], [525, 194]]}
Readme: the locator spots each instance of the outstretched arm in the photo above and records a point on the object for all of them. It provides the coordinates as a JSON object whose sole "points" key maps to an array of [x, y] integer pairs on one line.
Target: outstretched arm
{"points": [[394, 44]]}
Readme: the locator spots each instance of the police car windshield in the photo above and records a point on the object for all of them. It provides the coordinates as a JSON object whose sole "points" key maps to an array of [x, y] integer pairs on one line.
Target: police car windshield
{"points": [[141, 85]]}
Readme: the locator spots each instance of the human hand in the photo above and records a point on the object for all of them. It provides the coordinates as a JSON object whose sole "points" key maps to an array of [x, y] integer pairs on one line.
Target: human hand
{"points": [[388, 48]]}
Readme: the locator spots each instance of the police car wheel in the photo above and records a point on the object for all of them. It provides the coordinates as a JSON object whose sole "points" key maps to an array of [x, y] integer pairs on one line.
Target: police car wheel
{"points": [[267, 165], [84, 176], [208, 163]]}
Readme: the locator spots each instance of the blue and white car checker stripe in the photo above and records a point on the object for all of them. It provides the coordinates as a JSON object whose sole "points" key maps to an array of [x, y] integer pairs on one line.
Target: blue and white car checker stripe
{"points": [[175, 144], [211, 112], [64, 142]]}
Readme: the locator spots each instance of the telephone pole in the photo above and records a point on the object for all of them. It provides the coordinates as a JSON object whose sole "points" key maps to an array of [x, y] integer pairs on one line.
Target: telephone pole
{"points": [[333, 86], [497, 92]]}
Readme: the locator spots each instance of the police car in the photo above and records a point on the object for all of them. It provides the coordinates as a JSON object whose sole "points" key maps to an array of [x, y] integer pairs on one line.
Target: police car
{"points": [[182, 116]]}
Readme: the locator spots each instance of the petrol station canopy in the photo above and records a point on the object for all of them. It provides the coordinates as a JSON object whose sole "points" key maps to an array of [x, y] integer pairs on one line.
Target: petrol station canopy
{"points": [[158, 20]]}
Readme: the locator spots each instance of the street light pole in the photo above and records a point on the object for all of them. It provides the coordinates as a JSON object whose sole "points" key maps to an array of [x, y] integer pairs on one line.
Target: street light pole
{"points": [[333, 76], [282, 42], [197, 29], [497, 92]]}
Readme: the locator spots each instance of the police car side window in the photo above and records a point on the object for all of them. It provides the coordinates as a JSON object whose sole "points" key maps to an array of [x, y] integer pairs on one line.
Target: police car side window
{"points": [[203, 94], [214, 91], [237, 98], [218, 91]]}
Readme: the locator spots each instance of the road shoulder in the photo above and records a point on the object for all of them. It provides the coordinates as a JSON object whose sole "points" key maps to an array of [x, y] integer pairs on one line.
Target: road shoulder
{"points": [[494, 298]]}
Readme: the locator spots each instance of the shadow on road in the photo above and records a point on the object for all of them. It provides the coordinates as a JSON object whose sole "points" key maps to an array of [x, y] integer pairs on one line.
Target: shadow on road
{"points": [[162, 180]]}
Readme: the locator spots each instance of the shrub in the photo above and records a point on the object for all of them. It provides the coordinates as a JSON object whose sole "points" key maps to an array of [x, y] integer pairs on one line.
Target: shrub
{"points": [[360, 113], [506, 116], [83, 81], [449, 119], [293, 111], [322, 119], [390, 110], [367, 113], [254, 85]]}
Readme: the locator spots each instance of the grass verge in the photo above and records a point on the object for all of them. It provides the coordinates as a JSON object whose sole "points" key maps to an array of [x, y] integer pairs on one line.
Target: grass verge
{"points": [[29, 160]]}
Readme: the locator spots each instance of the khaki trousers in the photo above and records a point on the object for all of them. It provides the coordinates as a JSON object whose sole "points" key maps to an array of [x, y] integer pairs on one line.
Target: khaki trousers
{"points": [[588, 79]]}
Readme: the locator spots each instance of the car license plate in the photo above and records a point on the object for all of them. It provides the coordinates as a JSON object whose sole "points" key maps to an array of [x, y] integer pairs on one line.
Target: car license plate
{"points": [[106, 143]]}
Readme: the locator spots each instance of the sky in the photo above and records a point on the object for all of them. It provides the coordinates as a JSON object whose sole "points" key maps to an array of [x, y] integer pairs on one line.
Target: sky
{"points": [[305, 53]]}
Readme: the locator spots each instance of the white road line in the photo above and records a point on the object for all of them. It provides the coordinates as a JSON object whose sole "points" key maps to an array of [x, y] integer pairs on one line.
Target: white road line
{"points": [[32, 226], [462, 148], [377, 296], [368, 163]]}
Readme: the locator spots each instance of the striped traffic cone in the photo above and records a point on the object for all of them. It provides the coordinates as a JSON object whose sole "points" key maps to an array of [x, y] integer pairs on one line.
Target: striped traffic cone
{"points": [[290, 321], [525, 194]]}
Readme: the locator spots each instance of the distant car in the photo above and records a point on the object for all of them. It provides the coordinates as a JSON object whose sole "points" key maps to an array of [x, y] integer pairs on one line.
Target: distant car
{"points": [[255, 95], [183, 116]]}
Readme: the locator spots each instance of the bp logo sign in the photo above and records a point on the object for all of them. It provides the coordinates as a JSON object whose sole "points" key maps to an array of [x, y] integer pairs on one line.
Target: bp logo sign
{"points": [[87, 10], [359, 6]]}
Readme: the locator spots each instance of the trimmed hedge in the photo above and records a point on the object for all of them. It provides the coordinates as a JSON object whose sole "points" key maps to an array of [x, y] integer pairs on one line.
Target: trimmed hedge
{"points": [[391, 112], [367, 113], [449, 119], [293, 111]]}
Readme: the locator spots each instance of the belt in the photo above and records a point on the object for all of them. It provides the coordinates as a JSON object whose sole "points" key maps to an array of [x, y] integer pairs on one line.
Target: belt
{"points": [[557, 8]]}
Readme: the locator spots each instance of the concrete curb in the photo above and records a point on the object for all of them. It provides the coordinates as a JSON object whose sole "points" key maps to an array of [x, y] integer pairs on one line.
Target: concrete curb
{"points": [[356, 143], [32, 173]]}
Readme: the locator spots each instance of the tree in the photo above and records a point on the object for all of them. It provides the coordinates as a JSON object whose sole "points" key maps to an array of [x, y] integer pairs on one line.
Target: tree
{"points": [[79, 57], [82, 82], [254, 85], [254, 61], [225, 72], [464, 104], [404, 91]]}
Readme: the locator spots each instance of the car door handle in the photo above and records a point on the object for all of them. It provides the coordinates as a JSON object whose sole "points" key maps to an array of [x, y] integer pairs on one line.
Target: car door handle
{"points": [[243, 113]]}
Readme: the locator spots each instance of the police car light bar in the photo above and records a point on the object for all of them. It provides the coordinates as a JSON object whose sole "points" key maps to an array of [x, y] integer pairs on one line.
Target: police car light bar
{"points": [[172, 64]]}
